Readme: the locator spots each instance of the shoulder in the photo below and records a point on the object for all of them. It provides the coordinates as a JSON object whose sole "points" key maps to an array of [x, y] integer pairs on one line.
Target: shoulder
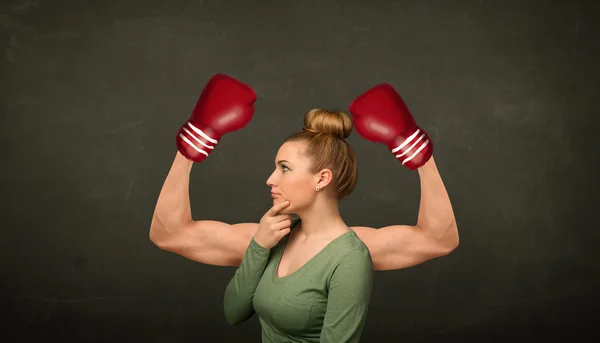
{"points": [[354, 253], [356, 247], [354, 269]]}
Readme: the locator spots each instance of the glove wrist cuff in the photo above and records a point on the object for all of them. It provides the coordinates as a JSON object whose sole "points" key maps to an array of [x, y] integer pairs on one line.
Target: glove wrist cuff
{"points": [[412, 149], [195, 142]]}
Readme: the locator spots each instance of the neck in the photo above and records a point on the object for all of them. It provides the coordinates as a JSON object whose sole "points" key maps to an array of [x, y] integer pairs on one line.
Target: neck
{"points": [[322, 219]]}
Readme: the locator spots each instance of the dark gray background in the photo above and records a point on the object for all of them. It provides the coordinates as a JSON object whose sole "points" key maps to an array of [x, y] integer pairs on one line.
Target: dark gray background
{"points": [[93, 93]]}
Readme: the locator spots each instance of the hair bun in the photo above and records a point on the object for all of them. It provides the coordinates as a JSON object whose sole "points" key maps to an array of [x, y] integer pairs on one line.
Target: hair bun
{"points": [[328, 122]]}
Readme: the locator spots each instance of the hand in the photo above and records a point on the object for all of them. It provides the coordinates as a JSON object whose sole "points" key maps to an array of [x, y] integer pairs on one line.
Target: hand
{"points": [[225, 105], [273, 226], [380, 115]]}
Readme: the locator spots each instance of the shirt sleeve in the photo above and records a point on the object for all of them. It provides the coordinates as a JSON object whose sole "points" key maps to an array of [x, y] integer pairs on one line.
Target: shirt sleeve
{"points": [[239, 293], [348, 300]]}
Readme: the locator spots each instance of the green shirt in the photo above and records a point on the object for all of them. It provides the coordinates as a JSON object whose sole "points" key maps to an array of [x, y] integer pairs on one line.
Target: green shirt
{"points": [[326, 300]]}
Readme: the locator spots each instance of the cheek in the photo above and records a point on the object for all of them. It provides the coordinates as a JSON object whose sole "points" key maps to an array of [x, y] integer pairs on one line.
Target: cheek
{"points": [[293, 191], [300, 196], [297, 189]]}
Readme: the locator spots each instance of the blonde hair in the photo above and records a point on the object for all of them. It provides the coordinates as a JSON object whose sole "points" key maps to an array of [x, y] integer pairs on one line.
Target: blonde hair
{"points": [[325, 134]]}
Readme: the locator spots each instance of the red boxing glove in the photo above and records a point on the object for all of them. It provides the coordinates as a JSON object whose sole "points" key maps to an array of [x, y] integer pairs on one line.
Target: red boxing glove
{"points": [[225, 105], [380, 115]]}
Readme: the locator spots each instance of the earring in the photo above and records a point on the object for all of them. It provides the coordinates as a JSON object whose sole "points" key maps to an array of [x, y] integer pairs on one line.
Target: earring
{"points": [[317, 188]]}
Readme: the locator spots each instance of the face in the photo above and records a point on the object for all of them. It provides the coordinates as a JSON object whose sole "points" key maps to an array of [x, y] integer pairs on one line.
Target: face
{"points": [[292, 180]]}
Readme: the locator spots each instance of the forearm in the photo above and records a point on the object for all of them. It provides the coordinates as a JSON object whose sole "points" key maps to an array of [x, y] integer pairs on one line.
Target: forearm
{"points": [[172, 211], [436, 216], [239, 294]]}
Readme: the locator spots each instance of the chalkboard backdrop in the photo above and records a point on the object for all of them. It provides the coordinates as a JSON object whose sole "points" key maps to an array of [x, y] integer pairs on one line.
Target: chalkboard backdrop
{"points": [[92, 94]]}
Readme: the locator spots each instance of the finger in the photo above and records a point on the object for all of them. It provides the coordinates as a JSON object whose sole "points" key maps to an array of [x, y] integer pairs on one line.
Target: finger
{"points": [[278, 207], [283, 232], [284, 225], [280, 217]]}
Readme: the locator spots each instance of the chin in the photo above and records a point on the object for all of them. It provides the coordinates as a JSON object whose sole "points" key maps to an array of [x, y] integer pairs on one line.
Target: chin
{"points": [[288, 210]]}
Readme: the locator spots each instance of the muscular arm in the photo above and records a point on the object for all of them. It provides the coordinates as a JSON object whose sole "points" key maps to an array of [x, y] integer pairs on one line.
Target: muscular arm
{"points": [[436, 217], [172, 212], [434, 235], [205, 241]]}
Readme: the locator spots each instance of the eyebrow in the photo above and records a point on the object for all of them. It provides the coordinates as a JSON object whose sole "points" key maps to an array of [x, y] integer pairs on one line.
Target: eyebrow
{"points": [[281, 161]]}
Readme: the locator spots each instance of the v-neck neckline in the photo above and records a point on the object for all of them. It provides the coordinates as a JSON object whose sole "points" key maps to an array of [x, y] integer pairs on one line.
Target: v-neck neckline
{"points": [[310, 261]]}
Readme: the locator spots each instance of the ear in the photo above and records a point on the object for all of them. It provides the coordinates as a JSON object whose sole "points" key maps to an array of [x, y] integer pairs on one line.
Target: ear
{"points": [[324, 178]]}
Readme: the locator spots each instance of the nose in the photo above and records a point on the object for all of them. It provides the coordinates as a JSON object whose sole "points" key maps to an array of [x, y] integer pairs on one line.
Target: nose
{"points": [[271, 180]]}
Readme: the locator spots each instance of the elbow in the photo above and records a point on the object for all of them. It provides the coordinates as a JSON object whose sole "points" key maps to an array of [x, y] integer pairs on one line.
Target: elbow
{"points": [[154, 235], [154, 238], [157, 234], [235, 312], [161, 241], [452, 239], [232, 320], [449, 248]]}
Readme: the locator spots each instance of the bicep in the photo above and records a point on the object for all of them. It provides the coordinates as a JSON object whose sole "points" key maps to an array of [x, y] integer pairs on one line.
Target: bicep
{"points": [[399, 246], [212, 242]]}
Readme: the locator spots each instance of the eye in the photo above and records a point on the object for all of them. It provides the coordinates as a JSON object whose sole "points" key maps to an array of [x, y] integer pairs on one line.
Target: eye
{"points": [[284, 168]]}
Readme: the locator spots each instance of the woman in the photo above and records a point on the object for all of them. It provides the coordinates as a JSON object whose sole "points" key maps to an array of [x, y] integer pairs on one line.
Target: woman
{"points": [[379, 115], [312, 283]]}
